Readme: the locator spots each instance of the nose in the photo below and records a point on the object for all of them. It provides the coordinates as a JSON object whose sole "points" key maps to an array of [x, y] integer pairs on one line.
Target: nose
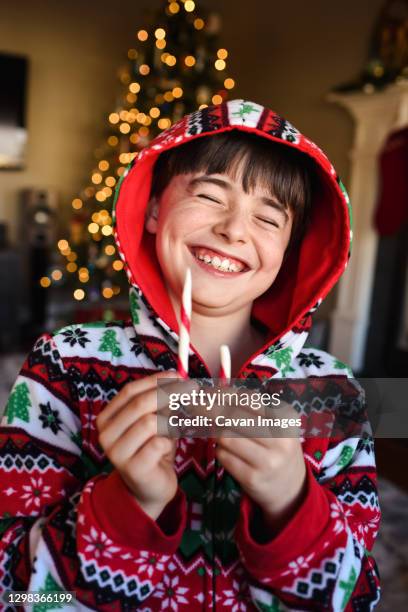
{"points": [[233, 227]]}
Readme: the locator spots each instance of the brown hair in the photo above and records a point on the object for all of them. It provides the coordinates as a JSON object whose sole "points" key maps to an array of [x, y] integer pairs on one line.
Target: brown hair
{"points": [[284, 171]]}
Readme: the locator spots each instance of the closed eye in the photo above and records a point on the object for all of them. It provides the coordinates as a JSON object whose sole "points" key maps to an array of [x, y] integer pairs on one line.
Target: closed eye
{"points": [[207, 197], [269, 222]]}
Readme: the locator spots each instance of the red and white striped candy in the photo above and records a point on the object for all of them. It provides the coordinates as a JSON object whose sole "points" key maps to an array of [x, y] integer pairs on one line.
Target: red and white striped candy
{"points": [[184, 327], [225, 370]]}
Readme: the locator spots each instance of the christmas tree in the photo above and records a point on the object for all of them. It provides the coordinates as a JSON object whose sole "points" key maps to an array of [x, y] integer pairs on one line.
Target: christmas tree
{"points": [[176, 66], [110, 344], [50, 588], [18, 404]]}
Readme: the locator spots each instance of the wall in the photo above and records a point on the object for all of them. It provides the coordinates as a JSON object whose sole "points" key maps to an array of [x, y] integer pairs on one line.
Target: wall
{"points": [[289, 54], [75, 50], [284, 54]]}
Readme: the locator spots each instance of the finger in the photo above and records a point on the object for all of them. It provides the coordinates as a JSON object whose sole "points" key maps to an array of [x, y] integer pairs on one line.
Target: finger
{"points": [[127, 415], [147, 457], [170, 393], [121, 432], [129, 392], [238, 468], [270, 444], [239, 412], [170, 456], [244, 449], [147, 402], [285, 420], [271, 423], [119, 450], [265, 442]]}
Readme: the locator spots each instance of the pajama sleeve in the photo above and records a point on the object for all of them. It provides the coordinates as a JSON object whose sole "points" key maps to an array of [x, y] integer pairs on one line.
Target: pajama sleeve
{"points": [[321, 559], [60, 529]]}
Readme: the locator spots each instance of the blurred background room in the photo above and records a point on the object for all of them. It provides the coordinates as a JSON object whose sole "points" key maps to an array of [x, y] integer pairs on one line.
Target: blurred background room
{"points": [[85, 85]]}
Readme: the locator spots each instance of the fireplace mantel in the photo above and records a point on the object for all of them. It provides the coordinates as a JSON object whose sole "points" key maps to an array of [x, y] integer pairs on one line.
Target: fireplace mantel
{"points": [[375, 116]]}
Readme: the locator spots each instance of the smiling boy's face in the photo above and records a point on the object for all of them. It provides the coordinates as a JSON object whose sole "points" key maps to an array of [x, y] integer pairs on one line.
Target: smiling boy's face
{"points": [[234, 242]]}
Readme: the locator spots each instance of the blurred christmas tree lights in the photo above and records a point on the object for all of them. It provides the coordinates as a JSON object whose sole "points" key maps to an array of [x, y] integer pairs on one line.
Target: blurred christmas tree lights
{"points": [[175, 67]]}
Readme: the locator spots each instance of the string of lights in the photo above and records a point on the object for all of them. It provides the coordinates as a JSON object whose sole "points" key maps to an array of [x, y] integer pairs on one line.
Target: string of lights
{"points": [[175, 67]]}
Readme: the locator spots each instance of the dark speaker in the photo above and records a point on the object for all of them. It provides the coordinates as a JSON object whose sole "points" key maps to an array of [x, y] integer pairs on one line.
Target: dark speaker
{"points": [[10, 299], [3, 236], [37, 217], [37, 235]]}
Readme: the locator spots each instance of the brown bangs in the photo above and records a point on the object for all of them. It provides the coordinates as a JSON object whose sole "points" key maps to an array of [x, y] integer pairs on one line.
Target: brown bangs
{"points": [[283, 172]]}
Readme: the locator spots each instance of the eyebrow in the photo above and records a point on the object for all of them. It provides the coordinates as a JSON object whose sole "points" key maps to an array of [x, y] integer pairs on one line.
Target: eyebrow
{"points": [[226, 185], [210, 179]]}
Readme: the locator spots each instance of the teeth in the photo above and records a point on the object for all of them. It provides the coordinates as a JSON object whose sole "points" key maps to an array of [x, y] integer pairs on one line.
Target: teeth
{"points": [[225, 265]]}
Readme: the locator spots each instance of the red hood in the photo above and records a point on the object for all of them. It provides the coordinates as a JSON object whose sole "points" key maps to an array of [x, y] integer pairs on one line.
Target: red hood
{"points": [[310, 270]]}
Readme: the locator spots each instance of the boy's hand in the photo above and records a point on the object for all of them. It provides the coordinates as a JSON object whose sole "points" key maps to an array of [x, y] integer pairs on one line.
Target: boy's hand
{"points": [[271, 471], [128, 434]]}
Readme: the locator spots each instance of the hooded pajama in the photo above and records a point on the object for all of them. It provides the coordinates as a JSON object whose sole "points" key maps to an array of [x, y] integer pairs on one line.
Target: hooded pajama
{"points": [[68, 522]]}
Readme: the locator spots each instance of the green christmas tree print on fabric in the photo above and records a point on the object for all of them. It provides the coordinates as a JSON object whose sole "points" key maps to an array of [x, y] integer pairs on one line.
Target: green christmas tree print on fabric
{"points": [[246, 109], [134, 307], [282, 359], [275, 606], [348, 587], [18, 404], [269, 602], [346, 456], [339, 365], [110, 344], [50, 586], [94, 324]]}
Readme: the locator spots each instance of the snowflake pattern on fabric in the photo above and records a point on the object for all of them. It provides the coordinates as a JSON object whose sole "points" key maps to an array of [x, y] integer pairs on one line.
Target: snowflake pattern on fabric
{"points": [[149, 562], [35, 493], [236, 598], [171, 593], [75, 335], [310, 359], [298, 564], [136, 347], [50, 418], [100, 545]]}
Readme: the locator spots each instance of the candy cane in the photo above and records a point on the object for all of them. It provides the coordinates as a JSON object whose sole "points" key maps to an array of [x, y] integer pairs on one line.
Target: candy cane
{"points": [[225, 378], [225, 370], [184, 329]]}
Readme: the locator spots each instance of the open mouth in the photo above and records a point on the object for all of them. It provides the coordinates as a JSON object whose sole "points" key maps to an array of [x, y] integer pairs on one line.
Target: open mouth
{"points": [[218, 261]]}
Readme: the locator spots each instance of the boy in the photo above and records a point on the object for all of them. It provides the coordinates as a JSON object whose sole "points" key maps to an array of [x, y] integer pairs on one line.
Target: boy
{"points": [[93, 500]]}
